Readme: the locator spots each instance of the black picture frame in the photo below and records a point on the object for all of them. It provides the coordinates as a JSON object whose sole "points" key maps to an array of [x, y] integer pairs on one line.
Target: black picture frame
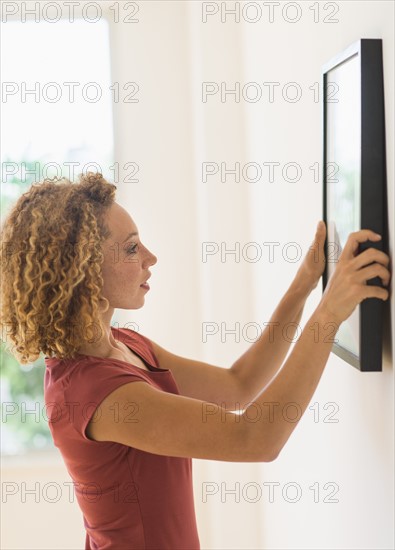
{"points": [[354, 183]]}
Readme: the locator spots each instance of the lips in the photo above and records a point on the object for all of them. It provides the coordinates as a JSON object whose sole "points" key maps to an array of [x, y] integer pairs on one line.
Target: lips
{"points": [[144, 282]]}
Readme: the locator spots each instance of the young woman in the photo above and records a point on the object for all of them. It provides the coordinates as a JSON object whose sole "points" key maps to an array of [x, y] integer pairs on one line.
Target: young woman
{"points": [[127, 415]]}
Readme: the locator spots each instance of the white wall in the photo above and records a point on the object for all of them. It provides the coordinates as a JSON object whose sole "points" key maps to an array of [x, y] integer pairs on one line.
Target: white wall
{"points": [[230, 212], [170, 134], [170, 52], [357, 452]]}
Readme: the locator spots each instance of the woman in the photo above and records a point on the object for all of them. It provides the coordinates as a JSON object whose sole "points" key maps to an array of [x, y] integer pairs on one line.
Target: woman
{"points": [[127, 415]]}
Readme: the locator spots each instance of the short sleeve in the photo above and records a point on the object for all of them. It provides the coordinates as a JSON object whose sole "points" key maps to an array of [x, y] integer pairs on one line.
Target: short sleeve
{"points": [[89, 384]]}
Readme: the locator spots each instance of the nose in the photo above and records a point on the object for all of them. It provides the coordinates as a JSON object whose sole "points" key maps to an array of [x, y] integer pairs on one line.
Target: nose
{"points": [[154, 259], [151, 258]]}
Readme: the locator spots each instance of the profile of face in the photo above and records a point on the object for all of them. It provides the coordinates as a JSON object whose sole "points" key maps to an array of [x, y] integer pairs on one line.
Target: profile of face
{"points": [[126, 262]]}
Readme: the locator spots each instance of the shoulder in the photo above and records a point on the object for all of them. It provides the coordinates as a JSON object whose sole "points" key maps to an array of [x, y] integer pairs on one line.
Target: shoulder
{"points": [[142, 343]]}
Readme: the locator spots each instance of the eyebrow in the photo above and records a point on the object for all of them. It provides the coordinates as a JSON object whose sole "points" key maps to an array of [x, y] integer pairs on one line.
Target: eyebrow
{"points": [[130, 235]]}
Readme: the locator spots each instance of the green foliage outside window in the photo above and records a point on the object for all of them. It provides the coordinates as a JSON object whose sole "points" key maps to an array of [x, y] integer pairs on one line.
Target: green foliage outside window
{"points": [[24, 422]]}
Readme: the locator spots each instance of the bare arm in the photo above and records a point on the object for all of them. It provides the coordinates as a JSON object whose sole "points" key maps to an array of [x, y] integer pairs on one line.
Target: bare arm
{"points": [[174, 425], [301, 373], [272, 421], [168, 424], [235, 386], [260, 363]]}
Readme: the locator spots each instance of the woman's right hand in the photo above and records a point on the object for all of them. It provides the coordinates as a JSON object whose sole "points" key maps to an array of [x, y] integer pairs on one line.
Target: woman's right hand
{"points": [[347, 286]]}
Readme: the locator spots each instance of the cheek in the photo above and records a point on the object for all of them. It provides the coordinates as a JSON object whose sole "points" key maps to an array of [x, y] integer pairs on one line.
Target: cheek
{"points": [[123, 267], [113, 268], [130, 264], [129, 271]]}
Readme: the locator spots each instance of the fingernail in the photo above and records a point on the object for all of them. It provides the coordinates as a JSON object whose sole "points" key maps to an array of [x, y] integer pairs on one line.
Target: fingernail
{"points": [[377, 235]]}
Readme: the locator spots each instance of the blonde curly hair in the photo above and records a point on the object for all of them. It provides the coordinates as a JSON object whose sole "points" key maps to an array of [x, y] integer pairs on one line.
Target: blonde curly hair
{"points": [[50, 260]]}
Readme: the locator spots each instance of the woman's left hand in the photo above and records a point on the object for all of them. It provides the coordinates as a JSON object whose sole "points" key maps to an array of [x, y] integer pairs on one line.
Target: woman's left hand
{"points": [[313, 266]]}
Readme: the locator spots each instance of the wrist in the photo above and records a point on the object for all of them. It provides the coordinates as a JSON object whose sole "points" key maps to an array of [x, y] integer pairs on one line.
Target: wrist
{"points": [[325, 315], [301, 288]]}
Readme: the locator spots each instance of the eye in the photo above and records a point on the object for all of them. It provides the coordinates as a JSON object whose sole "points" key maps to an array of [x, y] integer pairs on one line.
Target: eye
{"points": [[131, 249]]}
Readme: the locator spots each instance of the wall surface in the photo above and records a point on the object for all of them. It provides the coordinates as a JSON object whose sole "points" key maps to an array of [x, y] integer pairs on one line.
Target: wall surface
{"points": [[170, 133], [356, 453]]}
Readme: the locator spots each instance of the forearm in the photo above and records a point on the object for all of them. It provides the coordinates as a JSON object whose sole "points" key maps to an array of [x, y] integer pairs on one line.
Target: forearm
{"points": [[281, 405], [260, 363]]}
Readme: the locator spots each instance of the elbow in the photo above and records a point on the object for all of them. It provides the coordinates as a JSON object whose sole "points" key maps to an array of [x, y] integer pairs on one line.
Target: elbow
{"points": [[271, 457], [259, 445], [266, 457], [272, 452]]}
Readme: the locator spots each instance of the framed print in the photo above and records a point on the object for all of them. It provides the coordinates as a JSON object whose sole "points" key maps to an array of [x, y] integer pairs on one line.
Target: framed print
{"points": [[354, 183]]}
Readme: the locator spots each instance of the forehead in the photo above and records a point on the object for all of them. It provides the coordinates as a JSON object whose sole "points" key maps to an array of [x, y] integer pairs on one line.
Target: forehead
{"points": [[119, 222]]}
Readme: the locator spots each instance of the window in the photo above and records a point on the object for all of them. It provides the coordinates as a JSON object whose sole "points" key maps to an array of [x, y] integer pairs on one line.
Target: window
{"points": [[56, 121]]}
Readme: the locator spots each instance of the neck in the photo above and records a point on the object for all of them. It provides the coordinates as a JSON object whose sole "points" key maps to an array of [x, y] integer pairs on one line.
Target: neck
{"points": [[107, 345]]}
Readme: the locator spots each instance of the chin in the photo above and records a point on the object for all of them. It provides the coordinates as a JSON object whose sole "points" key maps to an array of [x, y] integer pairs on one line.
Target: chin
{"points": [[137, 304]]}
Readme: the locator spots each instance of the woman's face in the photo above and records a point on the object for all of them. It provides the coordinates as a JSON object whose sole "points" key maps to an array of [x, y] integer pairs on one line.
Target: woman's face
{"points": [[126, 262]]}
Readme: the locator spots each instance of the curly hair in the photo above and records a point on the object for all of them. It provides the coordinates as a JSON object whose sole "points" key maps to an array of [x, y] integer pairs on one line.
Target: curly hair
{"points": [[51, 257]]}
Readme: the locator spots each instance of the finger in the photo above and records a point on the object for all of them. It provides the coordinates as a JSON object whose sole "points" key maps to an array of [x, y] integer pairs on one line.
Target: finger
{"points": [[370, 255], [351, 246], [375, 270], [371, 291]]}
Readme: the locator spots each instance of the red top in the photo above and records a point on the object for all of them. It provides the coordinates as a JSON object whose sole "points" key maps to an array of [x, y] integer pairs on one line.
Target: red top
{"points": [[129, 498]]}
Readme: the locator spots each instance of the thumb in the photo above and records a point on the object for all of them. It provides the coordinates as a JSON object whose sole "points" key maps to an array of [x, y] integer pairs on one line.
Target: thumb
{"points": [[319, 241], [321, 230]]}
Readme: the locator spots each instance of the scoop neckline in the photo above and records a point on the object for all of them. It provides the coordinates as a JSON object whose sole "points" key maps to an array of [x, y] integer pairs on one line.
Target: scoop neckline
{"points": [[156, 369]]}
